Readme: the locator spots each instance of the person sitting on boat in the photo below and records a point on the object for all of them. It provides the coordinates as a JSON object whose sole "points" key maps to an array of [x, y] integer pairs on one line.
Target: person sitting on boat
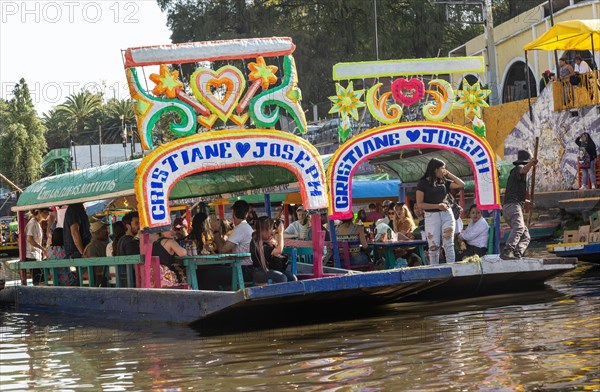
{"points": [[587, 159], [348, 231], [129, 244], [514, 203], [389, 214], [118, 231], [373, 215], [269, 264], [56, 251], [181, 231], [293, 230], [198, 234], [403, 221], [475, 236], [166, 248], [34, 248], [361, 217], [97, 248], [305, 228], [240, 238]]}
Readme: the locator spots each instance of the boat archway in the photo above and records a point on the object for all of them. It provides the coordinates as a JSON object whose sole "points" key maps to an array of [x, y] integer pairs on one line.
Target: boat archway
{"points": [[371, 143], [218, 150]]}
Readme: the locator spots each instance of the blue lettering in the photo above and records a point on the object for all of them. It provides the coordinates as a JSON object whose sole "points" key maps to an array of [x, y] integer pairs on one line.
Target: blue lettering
{"points": [[288, 151], [261, 150], [368, 146], [350, 157], [463, 144], [158, 212], [301, 158], [275, 150], [478, 151], [443, 137], [429, 133], [196, 154], [394, 139], [211, 151], [358, 152], [454, 139], [185, 157], [344, 169], [381, 141], [171, 161], [315, 188], [161, 175], [313, 171], [224, 150], [341, 202]]}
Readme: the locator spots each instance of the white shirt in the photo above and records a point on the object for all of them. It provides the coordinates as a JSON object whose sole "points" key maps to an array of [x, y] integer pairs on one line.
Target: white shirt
{"points": [[582, 67], [294, 228], [34, 229], [476, 233], [241, 237]]}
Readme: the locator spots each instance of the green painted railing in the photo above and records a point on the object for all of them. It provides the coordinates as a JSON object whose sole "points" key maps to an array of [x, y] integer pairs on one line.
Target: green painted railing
{"points": [[51, 266]]}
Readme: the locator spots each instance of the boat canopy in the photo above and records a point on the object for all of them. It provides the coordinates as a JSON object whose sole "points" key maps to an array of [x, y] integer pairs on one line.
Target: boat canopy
{"points": [[117, 180], [569, 35]]}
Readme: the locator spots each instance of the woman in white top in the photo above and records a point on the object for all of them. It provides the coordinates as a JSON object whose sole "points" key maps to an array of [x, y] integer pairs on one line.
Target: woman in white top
{"points": [[475, 236]]}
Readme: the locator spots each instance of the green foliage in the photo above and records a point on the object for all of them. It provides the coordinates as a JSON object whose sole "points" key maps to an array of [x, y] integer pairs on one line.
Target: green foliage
{"points": [[22, 143], [325, 31]]}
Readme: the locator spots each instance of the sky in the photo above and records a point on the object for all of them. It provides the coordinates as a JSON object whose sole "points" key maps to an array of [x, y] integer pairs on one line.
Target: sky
{"points": [[61, 47]]}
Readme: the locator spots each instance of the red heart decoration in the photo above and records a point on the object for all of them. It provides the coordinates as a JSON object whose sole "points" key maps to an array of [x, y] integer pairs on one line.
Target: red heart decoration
{"points": [[408, 91]]}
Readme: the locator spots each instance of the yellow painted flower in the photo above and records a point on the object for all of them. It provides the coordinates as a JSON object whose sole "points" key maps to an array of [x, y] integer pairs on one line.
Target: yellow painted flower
{"points": [[166, 82], [472, 98], [260, 70], [347, 101]]}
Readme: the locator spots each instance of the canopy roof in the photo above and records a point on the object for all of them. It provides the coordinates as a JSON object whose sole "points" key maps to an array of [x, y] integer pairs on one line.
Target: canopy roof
{"points": [[116, 180], [569, 35]]}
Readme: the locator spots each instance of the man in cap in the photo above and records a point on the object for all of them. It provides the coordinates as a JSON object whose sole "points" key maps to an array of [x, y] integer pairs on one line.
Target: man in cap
{"points": [[97, 248], [514, 203], [293, 230]]}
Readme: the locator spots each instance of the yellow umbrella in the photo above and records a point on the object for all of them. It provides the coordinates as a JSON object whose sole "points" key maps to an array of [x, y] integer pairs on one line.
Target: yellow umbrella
{"points": [[569, 35]]}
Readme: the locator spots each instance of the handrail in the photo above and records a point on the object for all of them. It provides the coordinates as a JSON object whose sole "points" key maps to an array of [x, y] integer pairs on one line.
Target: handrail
{"points": [[586, 93]]}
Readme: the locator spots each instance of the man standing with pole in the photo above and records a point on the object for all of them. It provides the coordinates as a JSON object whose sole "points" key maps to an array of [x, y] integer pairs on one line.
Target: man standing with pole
{"points": [[513, 206]]}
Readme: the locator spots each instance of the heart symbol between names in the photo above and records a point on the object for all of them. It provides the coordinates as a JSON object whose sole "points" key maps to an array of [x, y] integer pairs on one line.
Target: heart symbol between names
{"points": [[242, 148], [227, 82], [413, 135], [408, 92]]}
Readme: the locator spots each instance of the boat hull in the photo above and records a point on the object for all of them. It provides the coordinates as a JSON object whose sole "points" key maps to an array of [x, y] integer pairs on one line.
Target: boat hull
{"points": [[584, 252]]}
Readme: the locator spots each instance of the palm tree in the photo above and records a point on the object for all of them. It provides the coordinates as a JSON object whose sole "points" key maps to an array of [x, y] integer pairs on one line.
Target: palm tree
{"points": [[78, 108], [117, 115], [57, 133]]}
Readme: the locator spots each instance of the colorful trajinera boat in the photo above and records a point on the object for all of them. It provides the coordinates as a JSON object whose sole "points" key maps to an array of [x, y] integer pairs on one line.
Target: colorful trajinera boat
{"points": [[225, 121]]}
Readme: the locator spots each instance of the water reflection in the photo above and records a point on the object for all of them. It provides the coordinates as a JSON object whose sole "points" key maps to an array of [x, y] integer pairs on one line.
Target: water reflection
{"points": [[538, 340]]}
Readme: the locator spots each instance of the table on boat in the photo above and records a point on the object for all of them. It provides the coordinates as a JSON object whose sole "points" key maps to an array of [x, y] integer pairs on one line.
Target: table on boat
{"points": [[191, 263], [389, 247]]}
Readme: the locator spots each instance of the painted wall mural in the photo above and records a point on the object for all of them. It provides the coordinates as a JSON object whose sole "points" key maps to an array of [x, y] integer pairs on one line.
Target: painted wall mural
{"points": [[557, 150], [254, 89]]}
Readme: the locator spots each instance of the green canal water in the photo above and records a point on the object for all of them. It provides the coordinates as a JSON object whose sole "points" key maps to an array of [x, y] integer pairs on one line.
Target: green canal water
{"points": [[542, 340]]}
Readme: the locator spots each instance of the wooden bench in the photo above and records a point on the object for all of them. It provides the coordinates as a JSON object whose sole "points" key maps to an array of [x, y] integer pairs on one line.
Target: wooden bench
{"points": [[234, 260], [83, 264]]}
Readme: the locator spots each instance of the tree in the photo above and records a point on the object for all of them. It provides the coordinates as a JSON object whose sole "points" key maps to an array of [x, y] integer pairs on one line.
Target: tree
{"points": [[57, 134], [22, 143], [78, 109]]}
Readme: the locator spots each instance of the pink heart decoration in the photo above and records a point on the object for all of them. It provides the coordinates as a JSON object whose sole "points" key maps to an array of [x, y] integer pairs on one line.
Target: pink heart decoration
{"points": [[408, 91], [227, 78]]}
